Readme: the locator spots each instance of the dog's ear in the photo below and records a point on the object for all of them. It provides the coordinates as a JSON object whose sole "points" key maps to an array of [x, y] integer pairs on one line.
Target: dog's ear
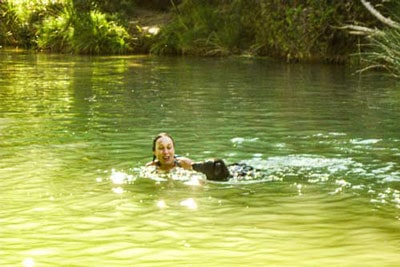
{"points": [[221, 172]]}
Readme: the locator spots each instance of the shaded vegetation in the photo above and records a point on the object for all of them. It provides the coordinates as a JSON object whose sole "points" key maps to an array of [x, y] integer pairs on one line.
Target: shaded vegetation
{"points": [[384, 53], [64, 26], [383, 49], [292, 30], [302, 30]]}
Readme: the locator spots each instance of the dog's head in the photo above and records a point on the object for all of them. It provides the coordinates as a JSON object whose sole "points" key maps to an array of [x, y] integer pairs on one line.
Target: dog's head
{"points": [[215, 169]]}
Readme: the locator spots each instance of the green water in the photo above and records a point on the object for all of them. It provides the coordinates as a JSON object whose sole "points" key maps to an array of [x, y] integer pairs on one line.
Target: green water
{"points": [[327, 141]]}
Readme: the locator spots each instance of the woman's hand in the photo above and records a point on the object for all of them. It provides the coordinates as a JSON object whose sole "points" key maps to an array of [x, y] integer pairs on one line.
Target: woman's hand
{"points": [[185, 163]]}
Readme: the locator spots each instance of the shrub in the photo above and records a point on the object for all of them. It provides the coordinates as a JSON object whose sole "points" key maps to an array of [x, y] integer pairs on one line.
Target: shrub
{"points": [[82, 33], [383, 52], [201, 29], [13, 30], [293, 30], [58, 27], [56, 32], [93, 34]]}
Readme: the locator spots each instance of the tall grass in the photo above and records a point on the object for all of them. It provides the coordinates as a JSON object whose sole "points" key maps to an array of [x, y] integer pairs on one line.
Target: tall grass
{"points": [[292, 30], [97, 35], [13, 30], [56, 32], [302, 30], [201, 29], [383, 52], [58, 27], [8, 20], [84, 33]]}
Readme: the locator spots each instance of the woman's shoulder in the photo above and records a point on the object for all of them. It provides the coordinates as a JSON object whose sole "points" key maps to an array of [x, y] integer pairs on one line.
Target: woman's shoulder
{"points": [[151, 163]]}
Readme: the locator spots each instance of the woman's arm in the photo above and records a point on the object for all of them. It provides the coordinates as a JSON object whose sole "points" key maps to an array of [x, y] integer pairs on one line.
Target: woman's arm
{"points": [[184, 163], [151, 163]]}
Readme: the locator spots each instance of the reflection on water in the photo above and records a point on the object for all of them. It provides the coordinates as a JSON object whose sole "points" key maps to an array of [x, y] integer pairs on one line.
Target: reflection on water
{"points": [[76, 131]]}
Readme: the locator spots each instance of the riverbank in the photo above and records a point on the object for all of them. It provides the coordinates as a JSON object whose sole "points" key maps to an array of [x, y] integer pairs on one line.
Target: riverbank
{"points": [[144, 25], [290, 32]]}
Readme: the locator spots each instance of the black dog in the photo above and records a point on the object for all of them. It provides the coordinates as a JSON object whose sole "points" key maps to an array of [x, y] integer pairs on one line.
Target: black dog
{"points": [[216, 170]]}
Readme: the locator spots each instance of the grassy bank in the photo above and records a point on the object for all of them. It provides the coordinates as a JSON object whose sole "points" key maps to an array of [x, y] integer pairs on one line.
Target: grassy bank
{"points": [[71, 26], [294, 31], [383, 46], [290, 30]]}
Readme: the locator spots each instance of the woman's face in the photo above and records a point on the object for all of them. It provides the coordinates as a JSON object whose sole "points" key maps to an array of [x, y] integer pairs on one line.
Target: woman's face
{"points": [[165, 151]]}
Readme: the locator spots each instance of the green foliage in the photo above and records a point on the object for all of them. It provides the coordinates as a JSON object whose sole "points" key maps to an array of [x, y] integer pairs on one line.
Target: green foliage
{"points": [[21, 21], [9, 24], [199, 28], [56, 32], [93, 34], [293, 30], [123, 8], [15, 26], [83, 33], [59, 27], [301, 30]]}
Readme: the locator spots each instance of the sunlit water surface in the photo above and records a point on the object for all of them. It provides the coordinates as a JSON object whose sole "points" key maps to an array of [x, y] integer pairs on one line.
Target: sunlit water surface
{"points": [[76, 131]]}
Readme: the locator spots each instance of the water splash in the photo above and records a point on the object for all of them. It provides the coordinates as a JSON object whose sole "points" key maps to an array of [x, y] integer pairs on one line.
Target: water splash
{"points": [[28, 262], [187, 177], [364, 141], [189, 203], [161, 204], [237, 141], [312, 168], [385, 197], [315, 168], [301, 161], [119, 177]]}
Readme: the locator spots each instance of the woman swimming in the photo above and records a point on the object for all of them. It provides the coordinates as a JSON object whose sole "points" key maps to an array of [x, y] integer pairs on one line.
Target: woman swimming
{"points": [[164, 159]]}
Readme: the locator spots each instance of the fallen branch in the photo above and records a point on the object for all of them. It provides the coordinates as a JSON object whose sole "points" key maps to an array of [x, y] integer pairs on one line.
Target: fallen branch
{"points": [[379, 16], [361, 30], [371, 67]]}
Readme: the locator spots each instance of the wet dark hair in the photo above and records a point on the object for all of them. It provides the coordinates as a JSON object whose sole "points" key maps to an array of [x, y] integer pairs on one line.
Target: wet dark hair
{"points": [[158, 137]]}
